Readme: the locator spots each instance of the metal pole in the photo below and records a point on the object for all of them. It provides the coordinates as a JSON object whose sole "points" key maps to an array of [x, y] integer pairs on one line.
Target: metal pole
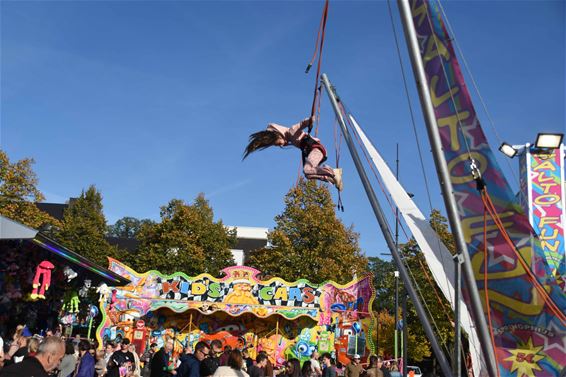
{"points": [[446, 184], [377, 332], [405, 334], [386, 232], [396, 311], [457, 331], [397, 247]]}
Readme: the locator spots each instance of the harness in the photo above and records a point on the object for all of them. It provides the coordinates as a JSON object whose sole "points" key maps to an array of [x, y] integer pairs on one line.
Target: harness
{"points": [[308, 143]]}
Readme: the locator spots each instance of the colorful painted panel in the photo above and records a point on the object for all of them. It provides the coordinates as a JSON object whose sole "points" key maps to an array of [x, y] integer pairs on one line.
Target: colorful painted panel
{"points": [[238, 309], [530, 333], [546, 204]]}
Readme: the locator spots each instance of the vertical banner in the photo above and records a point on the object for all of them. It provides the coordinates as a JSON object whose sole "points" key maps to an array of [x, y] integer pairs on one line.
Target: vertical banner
{"points": [[528, 328], [545, 180]]}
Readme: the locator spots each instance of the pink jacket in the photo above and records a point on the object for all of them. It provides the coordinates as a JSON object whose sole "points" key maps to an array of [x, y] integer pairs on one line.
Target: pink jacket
{"points": [[292, 135]]}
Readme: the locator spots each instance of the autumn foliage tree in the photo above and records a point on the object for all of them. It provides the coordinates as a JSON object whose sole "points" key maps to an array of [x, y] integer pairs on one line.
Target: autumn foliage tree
{"points": [[309, 241], [84, 228], [187, 240], [436, 305], [19, 193], [418, 348]]}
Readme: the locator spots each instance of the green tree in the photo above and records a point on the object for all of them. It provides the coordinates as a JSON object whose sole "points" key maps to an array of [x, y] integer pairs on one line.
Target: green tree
{"points": [[309, 241], [384, 283], [436, 305], [127, 227], [187, 239], [418, 348], [84, 228], [19, 193]]}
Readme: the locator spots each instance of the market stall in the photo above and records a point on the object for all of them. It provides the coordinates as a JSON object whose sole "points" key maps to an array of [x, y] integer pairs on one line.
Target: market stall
{"points": [[284, 319], [43, 284]]}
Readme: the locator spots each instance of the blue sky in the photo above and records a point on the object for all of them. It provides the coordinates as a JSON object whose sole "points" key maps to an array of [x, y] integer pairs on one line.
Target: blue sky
{"points": [[151, 101]]}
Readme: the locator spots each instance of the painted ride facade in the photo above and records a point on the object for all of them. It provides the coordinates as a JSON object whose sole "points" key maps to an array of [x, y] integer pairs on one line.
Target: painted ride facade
{"points": [[287, 320]]}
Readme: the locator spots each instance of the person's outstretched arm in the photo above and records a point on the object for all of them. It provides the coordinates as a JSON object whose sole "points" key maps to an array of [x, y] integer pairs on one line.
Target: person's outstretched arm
{"points": [[301, 125]]}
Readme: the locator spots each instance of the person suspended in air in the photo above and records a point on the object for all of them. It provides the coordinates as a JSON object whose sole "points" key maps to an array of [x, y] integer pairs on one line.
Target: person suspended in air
{"points": [[313, 152]]}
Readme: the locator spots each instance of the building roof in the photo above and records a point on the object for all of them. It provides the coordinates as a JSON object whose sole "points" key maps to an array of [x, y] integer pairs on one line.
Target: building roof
{"points": [[130, 244], [56, 210], [250, 238]]}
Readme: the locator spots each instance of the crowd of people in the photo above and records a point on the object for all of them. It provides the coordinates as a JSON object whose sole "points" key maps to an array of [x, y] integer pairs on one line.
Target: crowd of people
{"points": [[55, 356]]}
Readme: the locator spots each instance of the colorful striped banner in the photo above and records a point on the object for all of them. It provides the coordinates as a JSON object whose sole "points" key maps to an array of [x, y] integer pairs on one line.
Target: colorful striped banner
{"points": [[543, 181], [530, 338]]}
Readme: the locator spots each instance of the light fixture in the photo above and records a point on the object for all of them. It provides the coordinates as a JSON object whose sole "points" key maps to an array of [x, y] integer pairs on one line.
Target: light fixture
{"points": [[549, 140], [508, 150]]}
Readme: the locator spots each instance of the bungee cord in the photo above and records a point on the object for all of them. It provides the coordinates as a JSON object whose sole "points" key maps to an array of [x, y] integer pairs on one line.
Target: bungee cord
{"points": [[537, 285], [414, 126], [486, 291], [318, 53]]}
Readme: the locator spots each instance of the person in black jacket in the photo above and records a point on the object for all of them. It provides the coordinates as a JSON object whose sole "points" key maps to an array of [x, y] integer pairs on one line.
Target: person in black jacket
{"points": [[146, 359], [209, 365], [381, 366], [161, 361], [257, 369], [190, 365], [47, 359], [120, 359]]}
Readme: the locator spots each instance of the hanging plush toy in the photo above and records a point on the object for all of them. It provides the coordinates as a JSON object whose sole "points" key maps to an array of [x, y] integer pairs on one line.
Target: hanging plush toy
{"points": [[43, 274], [103, 292], [83, 292], [71, 302], [69, 273]]}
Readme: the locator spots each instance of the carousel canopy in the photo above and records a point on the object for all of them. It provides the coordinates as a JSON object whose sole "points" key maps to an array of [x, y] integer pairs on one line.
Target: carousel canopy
{"points": [[240, 291]]}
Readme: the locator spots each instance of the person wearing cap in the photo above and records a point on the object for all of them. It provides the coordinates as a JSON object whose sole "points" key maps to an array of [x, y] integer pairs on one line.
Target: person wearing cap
{"points": [[121, 361], [22, 343], [354, 369]]}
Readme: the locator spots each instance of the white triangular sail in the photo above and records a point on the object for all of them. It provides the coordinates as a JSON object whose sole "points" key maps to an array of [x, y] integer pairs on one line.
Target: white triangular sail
{"points": [[437, 256]]}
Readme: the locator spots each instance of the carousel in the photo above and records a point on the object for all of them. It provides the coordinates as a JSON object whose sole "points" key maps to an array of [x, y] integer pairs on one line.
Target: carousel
{"points": [[286, 320]]}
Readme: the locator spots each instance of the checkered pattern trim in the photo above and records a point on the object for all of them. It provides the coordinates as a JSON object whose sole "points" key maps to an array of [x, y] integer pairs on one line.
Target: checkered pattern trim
{"points": [[178, 288]]}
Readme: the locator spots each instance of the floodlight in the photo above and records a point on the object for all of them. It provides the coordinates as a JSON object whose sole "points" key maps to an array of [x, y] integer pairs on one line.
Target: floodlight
{"points": [[508, 150], [548, 140]]}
